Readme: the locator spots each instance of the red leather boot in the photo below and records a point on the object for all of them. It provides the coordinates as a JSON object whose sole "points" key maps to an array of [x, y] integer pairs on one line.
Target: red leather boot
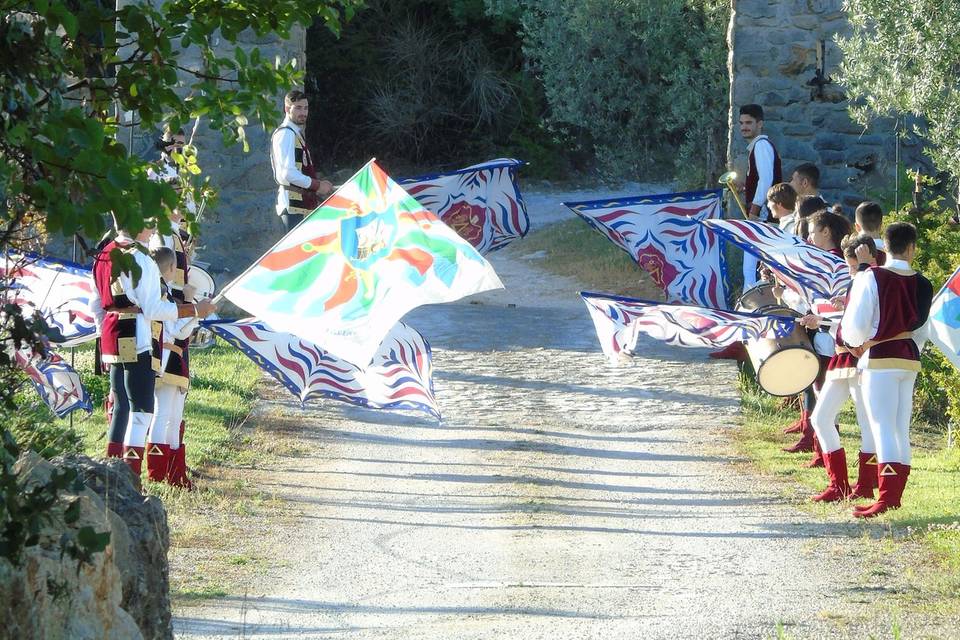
{"points": [[805, 443], [735, 351], [114, 449], [839, 487], [817, 459], [866, 476], [158, 461], [893, 480], [177, 473], [133, 456], [797, 426]]}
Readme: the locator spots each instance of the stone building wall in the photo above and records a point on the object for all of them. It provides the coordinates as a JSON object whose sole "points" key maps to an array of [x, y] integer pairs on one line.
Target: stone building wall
{"points": [[772, 58]]}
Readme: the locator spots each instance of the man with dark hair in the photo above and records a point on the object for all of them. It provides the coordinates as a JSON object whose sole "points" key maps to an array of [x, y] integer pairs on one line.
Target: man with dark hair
{"points": [[805, 179], [885, 325], [763, 171], [293, 168], [782, 204]]}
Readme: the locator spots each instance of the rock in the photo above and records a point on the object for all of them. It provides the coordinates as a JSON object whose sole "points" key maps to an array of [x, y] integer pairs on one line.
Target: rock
{"points": [[140, 554], [49, 595]]}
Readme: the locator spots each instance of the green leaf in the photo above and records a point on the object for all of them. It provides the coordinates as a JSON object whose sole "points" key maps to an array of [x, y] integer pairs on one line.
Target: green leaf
{"points": [[133, 89], [91, 541]]}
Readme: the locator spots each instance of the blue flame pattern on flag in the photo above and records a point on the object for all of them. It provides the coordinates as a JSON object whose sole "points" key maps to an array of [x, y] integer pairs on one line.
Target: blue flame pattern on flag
{"points": [[400, 376], [805, 268], [56, 382], [619, 321], [482, 203], [60, 291], [663, 235], [945, 319]]}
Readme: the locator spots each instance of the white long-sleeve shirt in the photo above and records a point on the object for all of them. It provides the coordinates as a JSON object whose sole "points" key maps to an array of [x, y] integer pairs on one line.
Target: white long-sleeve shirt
{"points": [[763, 156], [283, 158]]}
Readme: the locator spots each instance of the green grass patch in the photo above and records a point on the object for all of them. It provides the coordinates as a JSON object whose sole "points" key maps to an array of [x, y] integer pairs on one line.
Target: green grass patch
{"points": [[928, 519], [573, 249]]}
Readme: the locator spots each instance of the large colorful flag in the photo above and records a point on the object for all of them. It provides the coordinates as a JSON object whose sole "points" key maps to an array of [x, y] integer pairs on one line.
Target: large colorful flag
{"points": [[806, 269], [619, 322], [400, 376], [60, 291], [663, 234], [481, 203], [945, 319], [56, 382], [346, 274]]}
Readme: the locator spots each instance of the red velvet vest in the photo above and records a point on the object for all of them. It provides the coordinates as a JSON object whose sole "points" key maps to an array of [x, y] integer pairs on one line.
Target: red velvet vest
{"points": [[118, 335], [899, 312]]}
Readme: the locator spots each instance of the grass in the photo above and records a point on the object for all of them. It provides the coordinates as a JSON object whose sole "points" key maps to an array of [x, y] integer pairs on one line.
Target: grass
{"points": [[927, 526], [573, 249], [217, 530]]}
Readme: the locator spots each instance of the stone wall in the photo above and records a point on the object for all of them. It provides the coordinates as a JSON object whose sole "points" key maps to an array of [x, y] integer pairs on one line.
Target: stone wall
{"points": [[773, 57]]}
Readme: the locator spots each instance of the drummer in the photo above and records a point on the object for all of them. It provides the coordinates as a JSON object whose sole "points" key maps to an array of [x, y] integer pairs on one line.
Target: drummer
{"points": [[842, 380], [827, 231]]}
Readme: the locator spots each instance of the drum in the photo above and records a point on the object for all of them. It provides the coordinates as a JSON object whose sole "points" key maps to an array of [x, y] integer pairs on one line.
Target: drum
{"points": [[757, 297], [202, 282], [785, 366], [205, 287]]}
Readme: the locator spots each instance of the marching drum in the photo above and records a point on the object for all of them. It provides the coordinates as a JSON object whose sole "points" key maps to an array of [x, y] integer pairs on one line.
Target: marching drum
{"points": [[205, 288], [759, 296], [785, 366]]}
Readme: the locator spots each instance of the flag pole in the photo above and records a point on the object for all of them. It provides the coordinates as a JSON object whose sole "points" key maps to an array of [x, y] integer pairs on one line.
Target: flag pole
{"points": [[217, 298]]}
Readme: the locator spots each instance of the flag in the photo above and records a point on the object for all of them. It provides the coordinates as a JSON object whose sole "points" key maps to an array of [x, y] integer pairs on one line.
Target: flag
{"points": [[400, 376], [805, 268], [619, 322], [346, 274], [481, 203], [60, 291], [56, 382], [945, 319], [663, 235]]}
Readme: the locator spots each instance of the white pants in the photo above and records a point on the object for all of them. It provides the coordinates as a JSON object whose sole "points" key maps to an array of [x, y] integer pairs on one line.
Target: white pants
{"points": [[888, 395], [137, 425], [833, 394], [168, 413], [750, 264]]}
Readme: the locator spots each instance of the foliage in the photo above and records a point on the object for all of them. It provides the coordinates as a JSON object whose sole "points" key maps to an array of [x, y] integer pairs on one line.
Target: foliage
{"points": [[68, 69], [902, 57], [630, 78]]}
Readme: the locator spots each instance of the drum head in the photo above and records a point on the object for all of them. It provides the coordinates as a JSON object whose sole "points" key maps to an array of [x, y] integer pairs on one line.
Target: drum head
{"points": [[789, 371], [757, 296], [202, 282]]}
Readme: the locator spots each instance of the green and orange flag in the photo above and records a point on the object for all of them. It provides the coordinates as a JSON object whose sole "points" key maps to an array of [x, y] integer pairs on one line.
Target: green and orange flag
{"points": [[356, 265]]}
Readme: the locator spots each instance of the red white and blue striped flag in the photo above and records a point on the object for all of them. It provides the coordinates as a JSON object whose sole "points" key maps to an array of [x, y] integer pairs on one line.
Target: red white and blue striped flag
{"points": [[60, 291], [805, 268], [400, 376], [619, 322], [945, 319], [56, 382], [663, 234], [481, 203]]}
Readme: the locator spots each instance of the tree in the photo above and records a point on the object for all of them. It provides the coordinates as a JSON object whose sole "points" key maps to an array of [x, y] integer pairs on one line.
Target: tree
{"points": [[67, 69], [902, 57]]}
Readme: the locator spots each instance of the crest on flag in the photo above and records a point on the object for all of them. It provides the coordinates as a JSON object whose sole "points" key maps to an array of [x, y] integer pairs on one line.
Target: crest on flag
{"points": [[400, 376], [481, 203], [346, 274], [663, 235], [805, 268], [56, 382], [619, 321], [945, 319], [60, 291]]}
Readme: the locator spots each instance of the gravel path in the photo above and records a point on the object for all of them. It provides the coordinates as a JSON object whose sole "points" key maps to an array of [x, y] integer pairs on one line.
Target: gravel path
{"points": [[559, 498]]}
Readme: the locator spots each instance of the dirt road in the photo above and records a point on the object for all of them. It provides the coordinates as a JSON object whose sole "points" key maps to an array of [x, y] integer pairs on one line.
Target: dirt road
{"points": [[559, 498]]}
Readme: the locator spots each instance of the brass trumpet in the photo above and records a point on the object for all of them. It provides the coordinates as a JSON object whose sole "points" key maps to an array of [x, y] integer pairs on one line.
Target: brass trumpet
{"points": [[728, 179]]}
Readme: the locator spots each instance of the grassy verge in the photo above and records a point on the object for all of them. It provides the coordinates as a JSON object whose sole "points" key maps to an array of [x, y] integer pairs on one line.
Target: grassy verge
{"points": [[216, 530], [927, 526], [573, 249]]}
